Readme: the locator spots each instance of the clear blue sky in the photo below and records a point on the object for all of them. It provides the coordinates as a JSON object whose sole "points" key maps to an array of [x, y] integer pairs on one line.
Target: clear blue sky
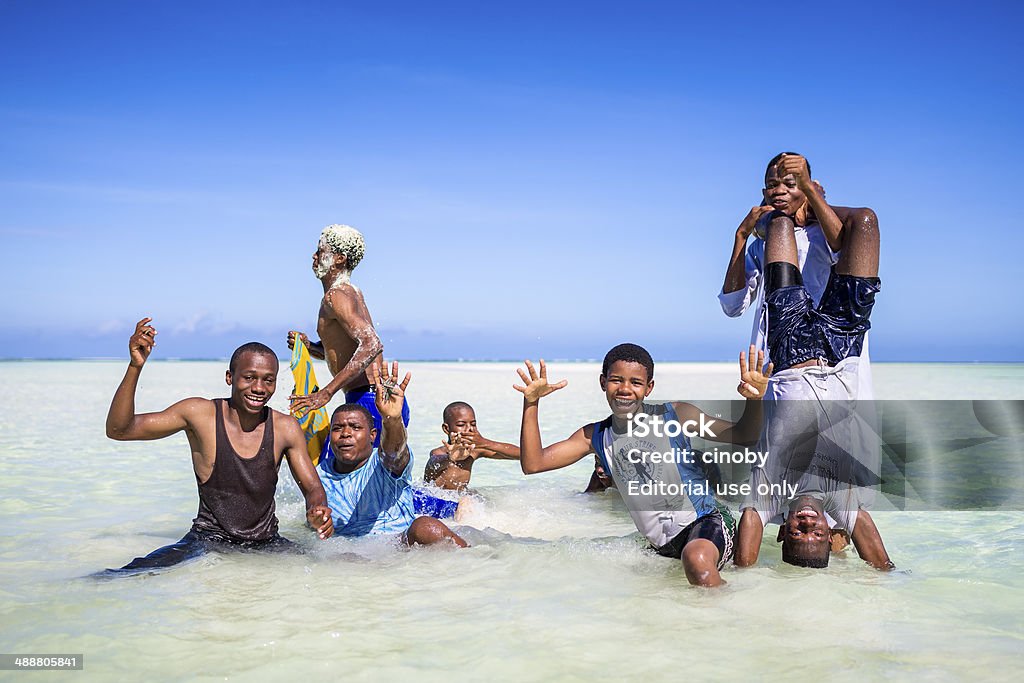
{"points": [[532, 178]]}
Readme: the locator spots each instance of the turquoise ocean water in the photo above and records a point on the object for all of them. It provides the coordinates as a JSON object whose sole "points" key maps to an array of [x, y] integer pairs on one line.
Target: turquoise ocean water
{"points": [[556, 585]]}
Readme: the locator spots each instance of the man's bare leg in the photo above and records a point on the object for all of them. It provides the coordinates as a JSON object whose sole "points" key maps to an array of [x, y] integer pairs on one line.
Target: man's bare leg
{"points": [[859, 256], [780, 243], [427, 531]]}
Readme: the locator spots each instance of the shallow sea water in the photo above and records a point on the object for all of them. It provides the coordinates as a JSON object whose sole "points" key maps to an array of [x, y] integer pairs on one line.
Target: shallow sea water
{"points": [[556, 586]]}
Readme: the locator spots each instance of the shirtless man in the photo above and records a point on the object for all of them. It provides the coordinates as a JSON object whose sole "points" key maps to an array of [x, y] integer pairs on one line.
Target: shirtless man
{"points": [[237, 445], [348, 341], [451, 465]]}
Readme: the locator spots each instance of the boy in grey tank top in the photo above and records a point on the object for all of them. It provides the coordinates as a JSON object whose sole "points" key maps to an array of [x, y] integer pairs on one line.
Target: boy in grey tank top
{"points": [[653, 468]]}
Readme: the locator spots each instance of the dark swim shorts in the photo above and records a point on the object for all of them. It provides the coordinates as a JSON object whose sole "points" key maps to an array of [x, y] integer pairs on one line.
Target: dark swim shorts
{"points": [[719, 527], [798, 332]]}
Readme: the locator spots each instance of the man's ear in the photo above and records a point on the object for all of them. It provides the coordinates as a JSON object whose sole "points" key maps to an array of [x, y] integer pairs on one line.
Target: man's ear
{"points": [[603, 382], [227, 377], [782, 530], [650, 388], [446, 429]]}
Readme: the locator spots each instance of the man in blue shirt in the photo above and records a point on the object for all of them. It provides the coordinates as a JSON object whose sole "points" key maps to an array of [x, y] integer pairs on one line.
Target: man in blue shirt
{"points": [[369, 490]]}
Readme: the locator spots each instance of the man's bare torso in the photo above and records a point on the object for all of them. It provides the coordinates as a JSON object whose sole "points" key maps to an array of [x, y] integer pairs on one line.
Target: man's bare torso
{"points": [[339, 345]]}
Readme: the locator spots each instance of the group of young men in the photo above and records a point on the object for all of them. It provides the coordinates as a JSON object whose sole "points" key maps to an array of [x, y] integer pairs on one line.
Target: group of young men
{"points": [[811, 267]]}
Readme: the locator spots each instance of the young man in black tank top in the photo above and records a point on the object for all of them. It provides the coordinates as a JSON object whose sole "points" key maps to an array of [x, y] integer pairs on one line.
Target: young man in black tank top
{"points": [[237, 445]]}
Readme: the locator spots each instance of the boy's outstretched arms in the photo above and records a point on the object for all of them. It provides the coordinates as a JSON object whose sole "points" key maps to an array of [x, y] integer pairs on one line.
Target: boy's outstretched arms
{"points": [[477, 445], [390, 395], [122, 422], [533, 456]]}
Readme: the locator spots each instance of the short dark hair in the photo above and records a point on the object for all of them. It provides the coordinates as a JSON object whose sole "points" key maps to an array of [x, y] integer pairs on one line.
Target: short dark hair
{"points": [[250, 347], [354, 408], [631, 353], [775, 160], [819, 561], [451, 408]]}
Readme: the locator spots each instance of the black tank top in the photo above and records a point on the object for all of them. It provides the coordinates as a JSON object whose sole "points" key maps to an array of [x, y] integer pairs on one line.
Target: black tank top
{"points": [[237, 501]]}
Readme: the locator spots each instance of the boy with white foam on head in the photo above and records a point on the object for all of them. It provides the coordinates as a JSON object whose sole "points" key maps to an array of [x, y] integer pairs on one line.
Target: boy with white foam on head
{"points": [[451, 464], [691, 526], [817, 231], [348, 340]]}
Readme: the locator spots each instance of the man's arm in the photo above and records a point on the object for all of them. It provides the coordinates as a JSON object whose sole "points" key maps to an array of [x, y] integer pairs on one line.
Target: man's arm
{"points": [[868, 542], [748, 538], [831, 226], [122, 422], [736, 271], [346, 309], [533, 456], [318, 514], [390, 396], [753, 383]]}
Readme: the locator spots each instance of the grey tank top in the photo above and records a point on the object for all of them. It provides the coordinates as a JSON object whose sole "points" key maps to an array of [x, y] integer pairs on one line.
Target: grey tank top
{"points": [[237, 501]]}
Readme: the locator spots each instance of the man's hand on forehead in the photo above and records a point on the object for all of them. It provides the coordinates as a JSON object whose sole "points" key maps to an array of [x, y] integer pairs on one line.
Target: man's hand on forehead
{"points": [[796, 166]]}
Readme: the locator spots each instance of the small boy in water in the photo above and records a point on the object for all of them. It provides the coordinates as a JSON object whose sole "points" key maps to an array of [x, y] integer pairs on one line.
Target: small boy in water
{"points": [[451, 464]]}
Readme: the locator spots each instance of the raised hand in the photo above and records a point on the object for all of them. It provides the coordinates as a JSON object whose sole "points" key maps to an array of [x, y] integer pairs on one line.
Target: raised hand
{"points": [[301, 335], [141, 343], [753, 375], [536, 385], [460, 448], [314, 401], [749, 222], [390, 394]]}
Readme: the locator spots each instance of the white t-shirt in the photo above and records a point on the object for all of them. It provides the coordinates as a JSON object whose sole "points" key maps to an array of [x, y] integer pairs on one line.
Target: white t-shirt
{"points": [[820, 443], [815, 260]]}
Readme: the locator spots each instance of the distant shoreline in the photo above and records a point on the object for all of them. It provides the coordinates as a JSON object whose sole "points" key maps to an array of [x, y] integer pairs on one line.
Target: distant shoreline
{"points": [[287, 359]]}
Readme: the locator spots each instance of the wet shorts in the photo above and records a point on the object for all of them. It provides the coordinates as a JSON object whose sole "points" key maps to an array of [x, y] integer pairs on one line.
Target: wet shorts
{"points": [[719, 527], [834, 331], [432, 506]]}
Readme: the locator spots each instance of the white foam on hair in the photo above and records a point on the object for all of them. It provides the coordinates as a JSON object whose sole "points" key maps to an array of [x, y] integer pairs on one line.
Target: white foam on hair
{"points": [[344, 239]]}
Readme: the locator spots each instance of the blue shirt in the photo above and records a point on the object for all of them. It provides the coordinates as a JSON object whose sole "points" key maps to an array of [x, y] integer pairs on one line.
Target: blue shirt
{"points": [[369, 500]]}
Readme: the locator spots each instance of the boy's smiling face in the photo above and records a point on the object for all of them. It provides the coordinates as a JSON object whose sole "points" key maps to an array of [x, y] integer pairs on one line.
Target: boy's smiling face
{"points": [[783, 194], [626, 386]]}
